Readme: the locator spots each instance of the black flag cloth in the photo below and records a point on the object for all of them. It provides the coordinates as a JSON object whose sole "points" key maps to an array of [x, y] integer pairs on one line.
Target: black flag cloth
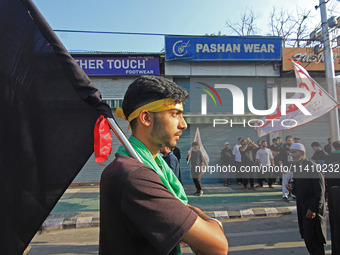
{"points": [[48, 110]]}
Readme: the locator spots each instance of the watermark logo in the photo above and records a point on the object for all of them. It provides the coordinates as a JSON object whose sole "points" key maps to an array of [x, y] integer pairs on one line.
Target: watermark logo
{"points": [[284, 116], [180, 48], [204, 97], [239, 99]]}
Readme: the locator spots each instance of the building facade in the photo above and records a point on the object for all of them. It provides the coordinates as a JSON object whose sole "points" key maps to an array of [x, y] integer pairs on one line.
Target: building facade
{"points": [[227, 78]]}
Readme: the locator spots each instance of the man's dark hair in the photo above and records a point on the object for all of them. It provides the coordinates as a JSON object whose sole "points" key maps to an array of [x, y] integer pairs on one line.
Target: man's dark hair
{"points": [[336, 145], [287, 137], [275, 140], [147, 89], [240, 138], [194, 144], [315, 144]]}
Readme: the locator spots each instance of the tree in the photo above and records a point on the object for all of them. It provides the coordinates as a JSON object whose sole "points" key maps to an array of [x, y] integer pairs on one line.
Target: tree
{"points": [[285, 25], [246, 27], [292, 29]]}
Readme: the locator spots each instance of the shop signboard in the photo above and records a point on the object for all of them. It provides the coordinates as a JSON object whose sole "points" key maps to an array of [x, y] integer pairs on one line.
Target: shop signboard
{"points": [[119, 65], [222, 48], [308, 59]]}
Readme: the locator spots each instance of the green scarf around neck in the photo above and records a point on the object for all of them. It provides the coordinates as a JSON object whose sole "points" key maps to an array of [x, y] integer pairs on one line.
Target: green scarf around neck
{"points": [[165, 173]]}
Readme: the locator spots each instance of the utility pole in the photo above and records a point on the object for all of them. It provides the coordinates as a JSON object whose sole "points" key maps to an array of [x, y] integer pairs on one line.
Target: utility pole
{"points": [[329, 69]]}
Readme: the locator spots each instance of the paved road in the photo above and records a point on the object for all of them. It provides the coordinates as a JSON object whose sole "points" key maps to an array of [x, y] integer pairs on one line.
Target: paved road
{"points": [[256, 236]]}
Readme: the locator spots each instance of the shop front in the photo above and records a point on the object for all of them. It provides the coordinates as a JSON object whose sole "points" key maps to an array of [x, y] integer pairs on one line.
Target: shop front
{"points": [[226, 78]]}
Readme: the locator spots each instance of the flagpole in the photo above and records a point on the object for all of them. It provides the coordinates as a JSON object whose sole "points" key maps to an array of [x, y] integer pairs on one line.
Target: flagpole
{"points": [[123, 139], [329, 69]]}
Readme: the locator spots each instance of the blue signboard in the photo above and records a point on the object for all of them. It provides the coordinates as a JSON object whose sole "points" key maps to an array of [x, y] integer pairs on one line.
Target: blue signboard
{"points": [[212, 48], [119, 65]]}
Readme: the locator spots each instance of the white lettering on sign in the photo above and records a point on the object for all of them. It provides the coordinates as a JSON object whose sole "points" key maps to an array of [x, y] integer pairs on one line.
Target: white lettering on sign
{"points": [[259, 48], [220, 48], [140, 72], [212, 48], [90, 63], [311, 58], [126, 64]]}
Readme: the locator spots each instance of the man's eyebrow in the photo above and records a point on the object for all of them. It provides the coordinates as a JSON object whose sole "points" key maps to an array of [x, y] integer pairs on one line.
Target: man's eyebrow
{"points": [[177, 110]]}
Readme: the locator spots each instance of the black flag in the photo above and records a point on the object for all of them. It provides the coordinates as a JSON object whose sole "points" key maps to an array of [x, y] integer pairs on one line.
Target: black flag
{"points": [[48, 110]]}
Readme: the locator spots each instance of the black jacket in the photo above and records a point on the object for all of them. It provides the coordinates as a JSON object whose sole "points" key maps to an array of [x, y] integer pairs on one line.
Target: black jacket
{"points": [[309, 189]]}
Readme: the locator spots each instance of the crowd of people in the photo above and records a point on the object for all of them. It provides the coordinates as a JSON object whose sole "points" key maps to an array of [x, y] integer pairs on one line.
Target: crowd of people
{"points": [[248, 153], [310, 189]]}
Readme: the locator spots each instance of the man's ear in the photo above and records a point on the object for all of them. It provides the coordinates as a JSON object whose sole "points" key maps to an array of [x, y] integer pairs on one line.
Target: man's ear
{"points": [[145, 117]]}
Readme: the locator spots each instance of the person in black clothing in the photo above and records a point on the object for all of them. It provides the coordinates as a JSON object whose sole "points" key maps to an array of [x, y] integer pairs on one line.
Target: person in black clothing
{"points": [[226, 159], [328, 146], [247, 159], [275, 148], [177, 153], [319, 155], [333, 194], [197, 162], [279, 140], [309, 188]]}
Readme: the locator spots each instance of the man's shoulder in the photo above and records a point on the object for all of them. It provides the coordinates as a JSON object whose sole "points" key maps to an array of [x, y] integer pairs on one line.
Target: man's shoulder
{"points": [[274, 148], [268, 150], [172, 157], [333, 157], [308, 162], [122, 167]]}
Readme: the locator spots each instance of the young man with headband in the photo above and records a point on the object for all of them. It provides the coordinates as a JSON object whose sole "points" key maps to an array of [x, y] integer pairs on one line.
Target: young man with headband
{"points": [[143, 207]]}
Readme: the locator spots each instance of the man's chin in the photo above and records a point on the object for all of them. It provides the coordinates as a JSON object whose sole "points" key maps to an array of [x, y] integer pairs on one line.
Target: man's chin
{"points": [[171, 144]]}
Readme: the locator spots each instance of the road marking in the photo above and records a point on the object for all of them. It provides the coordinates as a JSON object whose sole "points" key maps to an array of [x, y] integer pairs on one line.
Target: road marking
{"points": [[263, 232]]}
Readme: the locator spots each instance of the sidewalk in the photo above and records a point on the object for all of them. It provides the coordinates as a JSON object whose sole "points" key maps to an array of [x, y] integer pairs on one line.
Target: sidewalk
{"points": [[79, 206]]}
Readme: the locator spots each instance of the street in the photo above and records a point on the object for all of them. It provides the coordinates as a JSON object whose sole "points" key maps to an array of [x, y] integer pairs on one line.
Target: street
{"points": [[256, 236]]}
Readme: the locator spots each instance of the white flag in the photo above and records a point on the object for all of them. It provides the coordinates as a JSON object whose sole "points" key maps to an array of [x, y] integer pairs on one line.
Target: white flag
{"points": [[197, 139], [319, 104]]}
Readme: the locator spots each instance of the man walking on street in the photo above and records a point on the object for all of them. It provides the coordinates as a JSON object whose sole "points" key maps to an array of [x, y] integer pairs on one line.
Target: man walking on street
{"points": [[309, 188], [197, 162]]}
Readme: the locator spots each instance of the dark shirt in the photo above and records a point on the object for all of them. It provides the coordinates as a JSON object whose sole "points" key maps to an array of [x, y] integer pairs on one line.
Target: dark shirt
{"points": [[319, 156], [276, 149], [328, 148], [285, 157], [247, 156], [333, 177], [333, 157], [196, 158], [172, 161], [226, 157], [310, 194], [138, 215], [177, 153]]}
